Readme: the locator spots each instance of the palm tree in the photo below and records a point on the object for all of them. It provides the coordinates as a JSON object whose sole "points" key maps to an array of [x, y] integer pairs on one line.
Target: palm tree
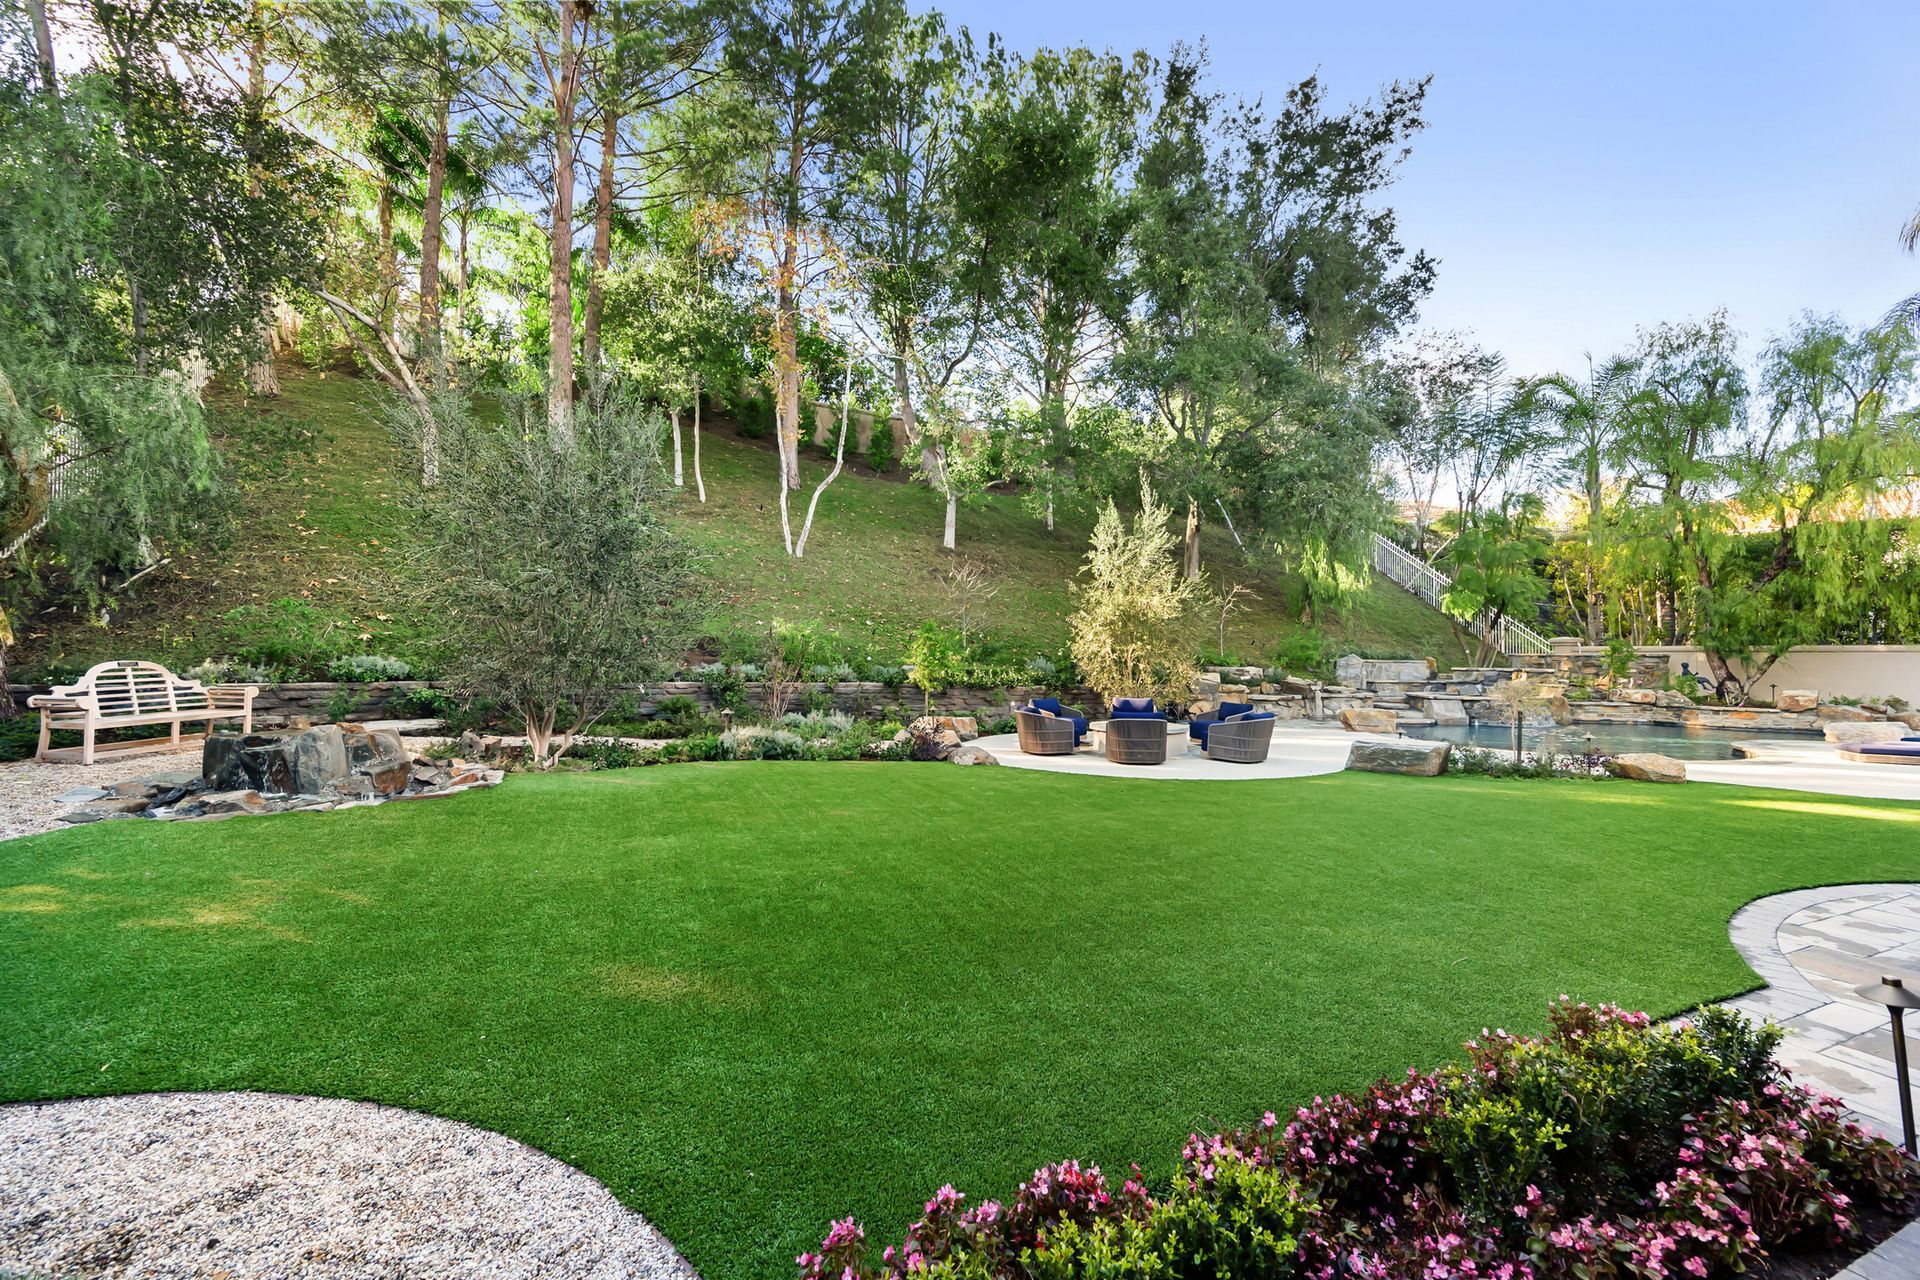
{"points": [[1590, 418]]}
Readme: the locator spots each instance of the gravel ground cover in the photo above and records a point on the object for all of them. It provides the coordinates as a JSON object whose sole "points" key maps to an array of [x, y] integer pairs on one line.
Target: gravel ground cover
{"points": [[246, 1185]]}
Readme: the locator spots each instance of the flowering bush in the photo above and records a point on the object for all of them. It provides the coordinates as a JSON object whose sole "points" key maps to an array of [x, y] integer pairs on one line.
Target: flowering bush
{"points": [[1607, 1148]]}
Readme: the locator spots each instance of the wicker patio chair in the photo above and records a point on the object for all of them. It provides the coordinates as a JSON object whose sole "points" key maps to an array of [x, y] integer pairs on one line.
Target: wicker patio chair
{"points": [[1043, 735], [1137, 741], [1240, 741]]}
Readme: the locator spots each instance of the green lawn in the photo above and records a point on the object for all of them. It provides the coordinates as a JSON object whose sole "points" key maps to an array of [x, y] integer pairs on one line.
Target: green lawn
{"points": [[749, 997]]}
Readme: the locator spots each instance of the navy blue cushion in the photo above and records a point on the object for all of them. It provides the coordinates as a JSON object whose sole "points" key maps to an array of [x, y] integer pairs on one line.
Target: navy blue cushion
{"points": [[1133, 707], [1228, 710], [1046, 704]]}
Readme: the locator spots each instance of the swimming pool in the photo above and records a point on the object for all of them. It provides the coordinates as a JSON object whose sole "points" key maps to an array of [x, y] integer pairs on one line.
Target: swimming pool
{"points": [[1678, 741]]}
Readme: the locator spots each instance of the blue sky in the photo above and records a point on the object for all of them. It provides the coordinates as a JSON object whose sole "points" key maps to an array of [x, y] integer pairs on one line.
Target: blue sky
{"points": [[1588, 168]]}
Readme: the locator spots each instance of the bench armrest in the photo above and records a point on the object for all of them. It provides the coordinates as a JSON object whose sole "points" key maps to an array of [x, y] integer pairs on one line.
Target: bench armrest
{"points": [[232, 694], [57, 702]]}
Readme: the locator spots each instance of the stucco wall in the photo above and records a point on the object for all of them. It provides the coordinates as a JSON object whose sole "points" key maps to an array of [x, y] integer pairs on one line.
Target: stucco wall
{"points": [[1851, 670]]}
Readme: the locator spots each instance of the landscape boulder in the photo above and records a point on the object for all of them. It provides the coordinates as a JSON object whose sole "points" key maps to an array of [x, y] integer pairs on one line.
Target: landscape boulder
{"points": [[972, 753], [966, 726], [1911, 719], [1673, 699], [1647, 766], [1837, 711], [1351, 670], [1797, 700], [1865, 731], [1639, 697], [1408, 756], [1447, 711], [1368, 720]]}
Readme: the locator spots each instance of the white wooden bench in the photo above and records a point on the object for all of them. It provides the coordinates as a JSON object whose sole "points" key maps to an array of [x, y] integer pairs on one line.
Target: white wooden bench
{"points": [[115, 695]]}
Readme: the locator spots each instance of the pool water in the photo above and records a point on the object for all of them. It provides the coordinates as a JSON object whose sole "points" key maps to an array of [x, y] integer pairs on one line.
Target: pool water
{"points": [[1678, 741]]}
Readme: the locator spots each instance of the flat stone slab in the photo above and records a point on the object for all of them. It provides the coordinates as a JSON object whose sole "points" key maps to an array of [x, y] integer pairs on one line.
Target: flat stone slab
{"points": [[1412, 757], [80, 795]]}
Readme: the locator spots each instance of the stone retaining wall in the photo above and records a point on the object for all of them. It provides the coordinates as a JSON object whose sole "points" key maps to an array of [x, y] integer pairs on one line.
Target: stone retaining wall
{"points": [[375, 699]]}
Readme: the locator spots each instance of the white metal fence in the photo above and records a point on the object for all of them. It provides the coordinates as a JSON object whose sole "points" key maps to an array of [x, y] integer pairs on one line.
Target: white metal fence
{"points": [[1515, 639]]}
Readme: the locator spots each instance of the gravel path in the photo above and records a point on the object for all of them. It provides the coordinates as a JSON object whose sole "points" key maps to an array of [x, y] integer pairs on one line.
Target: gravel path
{"points": [[254, 1185], [30, 789]]}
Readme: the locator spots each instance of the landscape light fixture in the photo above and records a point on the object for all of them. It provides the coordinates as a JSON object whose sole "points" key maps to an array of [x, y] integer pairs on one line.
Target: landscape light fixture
{"points": [[1893, 993]]}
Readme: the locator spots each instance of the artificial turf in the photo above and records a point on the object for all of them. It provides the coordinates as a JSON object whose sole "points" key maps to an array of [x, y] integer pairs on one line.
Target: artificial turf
{"points": [[752, 997]]}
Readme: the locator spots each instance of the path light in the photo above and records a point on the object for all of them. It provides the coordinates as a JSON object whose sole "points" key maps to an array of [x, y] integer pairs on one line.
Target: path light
{"points": [[1893, 993]]}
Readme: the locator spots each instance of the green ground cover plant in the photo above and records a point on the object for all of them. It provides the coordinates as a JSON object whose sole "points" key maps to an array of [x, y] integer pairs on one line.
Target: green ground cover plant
{"points": [[755, 997]]}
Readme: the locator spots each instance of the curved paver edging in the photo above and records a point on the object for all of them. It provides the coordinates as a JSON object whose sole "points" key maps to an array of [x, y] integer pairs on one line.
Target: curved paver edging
{"points": [[271, 1185], [1755, 931]]}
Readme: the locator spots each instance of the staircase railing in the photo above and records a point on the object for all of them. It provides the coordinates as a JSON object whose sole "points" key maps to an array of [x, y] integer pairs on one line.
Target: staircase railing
{"points": [[1515, 639]]}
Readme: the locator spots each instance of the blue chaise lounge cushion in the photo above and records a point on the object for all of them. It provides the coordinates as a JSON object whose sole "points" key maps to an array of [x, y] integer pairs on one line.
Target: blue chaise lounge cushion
{"points": [[1052, 707], [1197, 730]]}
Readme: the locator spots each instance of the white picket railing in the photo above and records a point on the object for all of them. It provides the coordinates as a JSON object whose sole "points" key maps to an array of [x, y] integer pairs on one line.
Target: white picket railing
{"points": [[1515, 639]]}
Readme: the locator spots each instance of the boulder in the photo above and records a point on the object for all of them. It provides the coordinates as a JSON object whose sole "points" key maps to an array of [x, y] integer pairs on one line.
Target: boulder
{"points": [[1640, 697], [1835, 711], [1911, 719], [217, 802], [1647, 766], [1368, 720], [1408, 756], [1398, 670], [222, 764], [1673, 698], [118, 804], [354, 788], [1447, 711], [966, 726], [971, 754], [1351, 670], [388, 776], [1797, 700], [1865, 731]]}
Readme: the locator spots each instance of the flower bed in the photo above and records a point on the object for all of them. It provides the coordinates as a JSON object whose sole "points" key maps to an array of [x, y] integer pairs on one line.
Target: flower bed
{"points": [[1609, 1147]]}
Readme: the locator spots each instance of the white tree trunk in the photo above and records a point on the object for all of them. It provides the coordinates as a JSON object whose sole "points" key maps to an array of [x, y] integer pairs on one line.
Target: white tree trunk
{"points": [[678, 481], [699, 481], [953, 505]]}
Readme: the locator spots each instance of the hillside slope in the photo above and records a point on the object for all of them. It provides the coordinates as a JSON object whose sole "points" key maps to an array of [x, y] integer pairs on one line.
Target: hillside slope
{"points": [[316, 557]]}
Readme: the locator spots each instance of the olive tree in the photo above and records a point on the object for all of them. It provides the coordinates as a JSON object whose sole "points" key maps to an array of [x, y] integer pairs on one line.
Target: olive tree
{"points": [[1133, 626], [550, 565]]}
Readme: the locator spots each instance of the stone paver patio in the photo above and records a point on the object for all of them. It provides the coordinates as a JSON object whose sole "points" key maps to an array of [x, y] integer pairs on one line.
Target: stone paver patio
{"points": [[1813, 947]]}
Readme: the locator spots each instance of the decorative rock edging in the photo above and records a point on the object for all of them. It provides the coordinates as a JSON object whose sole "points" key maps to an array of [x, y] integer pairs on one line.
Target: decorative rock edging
{"points": [[256, 1186]]}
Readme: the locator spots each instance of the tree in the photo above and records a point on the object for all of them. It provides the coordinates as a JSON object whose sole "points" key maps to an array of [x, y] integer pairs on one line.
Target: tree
{"points": [[571, 584], [1133, 630], [1041, 192], [919, 274], [803, 71], [1492, 560], [1807, 540], [1590, 420]]}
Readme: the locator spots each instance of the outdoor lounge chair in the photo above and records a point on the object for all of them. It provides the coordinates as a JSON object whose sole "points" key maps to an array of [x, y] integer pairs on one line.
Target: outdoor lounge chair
{"points": [[1905, 751], [1197, 728], [1045, 734], [1053, 708], [1241, 739], [1137, 739]]}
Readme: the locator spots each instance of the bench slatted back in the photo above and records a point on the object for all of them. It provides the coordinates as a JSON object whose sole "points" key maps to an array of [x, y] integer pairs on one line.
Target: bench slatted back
{"points": [[139, 689]]}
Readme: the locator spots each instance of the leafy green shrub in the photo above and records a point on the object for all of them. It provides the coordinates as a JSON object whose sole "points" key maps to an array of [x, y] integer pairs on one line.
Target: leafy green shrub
{"points": [[367, 666], [935, 657], [759, 742], [226, 671], [342, 703], [755, 416], [726, 686], [410, 704], [1304, 653], [880, 447]]}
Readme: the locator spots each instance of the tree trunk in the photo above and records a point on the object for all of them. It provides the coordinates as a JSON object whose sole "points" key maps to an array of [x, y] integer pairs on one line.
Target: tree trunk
{"points": [[43, 45], [786, 378], [389, 268], [953, 504], [699, 481], [263, 378], [678, 480], [560, 239], [432, 234], [1191, 567], [603, 247]]}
